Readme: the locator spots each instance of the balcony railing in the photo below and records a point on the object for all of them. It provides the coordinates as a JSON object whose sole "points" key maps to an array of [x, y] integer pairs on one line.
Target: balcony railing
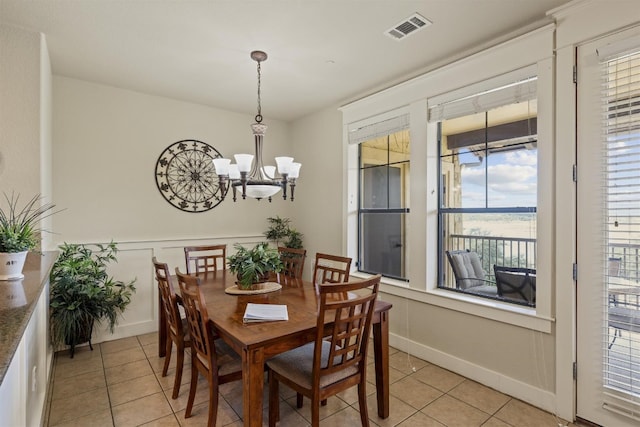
{"points": [[504, 251], [628, 257]]}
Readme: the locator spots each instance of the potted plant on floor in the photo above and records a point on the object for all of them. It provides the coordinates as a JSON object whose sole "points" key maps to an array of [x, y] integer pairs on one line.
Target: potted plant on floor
{"points": [[20, 233], [83, 294], [253, 266], [280, 232]]}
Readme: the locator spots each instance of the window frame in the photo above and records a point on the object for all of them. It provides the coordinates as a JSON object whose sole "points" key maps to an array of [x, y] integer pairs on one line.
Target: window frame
{"points": [[443, 211], [413, 96], [388, 210]]}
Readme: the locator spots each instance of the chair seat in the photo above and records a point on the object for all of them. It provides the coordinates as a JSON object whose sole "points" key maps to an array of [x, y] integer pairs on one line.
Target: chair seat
{"points": [[483, 290], [297, 366]]}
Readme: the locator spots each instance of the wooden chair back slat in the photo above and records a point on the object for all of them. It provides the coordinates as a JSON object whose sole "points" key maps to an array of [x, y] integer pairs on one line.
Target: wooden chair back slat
{"points": [[293, 260], [352, 324], [331, 269], [168, 298], [204, 259], [196, 315]]}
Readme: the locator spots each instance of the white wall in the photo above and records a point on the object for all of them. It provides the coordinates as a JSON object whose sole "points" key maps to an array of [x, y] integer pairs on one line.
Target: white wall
{"points": [[317, 209], [106, 144], [25, 168], [25, 114]]}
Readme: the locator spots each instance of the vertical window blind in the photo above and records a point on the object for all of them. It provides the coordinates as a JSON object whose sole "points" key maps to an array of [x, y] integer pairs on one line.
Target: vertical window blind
{"points": [[620, 100]]}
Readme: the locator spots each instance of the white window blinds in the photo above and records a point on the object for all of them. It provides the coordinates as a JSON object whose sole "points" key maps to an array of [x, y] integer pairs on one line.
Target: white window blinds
{"points": [[378, 129], [621, 299], [511, 88]]}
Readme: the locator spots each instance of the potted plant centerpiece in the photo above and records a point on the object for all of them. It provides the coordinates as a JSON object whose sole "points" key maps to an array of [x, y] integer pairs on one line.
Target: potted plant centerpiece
{"points": [[20, 233], [253, 265], [83, 294]]}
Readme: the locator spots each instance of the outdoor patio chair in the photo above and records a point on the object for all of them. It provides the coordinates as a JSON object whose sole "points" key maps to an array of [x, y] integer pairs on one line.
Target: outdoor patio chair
{"points": [[516, 284], [468, 273]]}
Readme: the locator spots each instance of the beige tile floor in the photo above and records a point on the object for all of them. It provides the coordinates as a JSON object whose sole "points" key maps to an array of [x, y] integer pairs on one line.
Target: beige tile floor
{"points": [[119, 383]]}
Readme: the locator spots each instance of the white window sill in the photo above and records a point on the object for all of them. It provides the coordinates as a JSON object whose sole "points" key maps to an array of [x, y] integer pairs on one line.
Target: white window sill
{"points": [[525, 317]]}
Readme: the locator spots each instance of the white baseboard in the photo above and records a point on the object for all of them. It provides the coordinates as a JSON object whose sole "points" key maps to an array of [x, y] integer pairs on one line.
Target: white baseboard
{"points": [[124, 331], [535, 396]]}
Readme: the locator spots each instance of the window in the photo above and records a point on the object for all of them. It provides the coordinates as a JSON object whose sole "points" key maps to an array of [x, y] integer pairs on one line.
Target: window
{"points": [[488, 194], [621, 244], [383, 204]]}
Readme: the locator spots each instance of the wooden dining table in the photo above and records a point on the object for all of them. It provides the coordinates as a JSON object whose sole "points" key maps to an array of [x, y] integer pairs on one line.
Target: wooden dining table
{"points": [[256, 342]]}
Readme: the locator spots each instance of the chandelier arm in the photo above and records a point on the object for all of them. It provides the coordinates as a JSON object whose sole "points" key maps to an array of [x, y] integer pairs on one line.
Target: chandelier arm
{"points": [[292, 184], [283, 184]]}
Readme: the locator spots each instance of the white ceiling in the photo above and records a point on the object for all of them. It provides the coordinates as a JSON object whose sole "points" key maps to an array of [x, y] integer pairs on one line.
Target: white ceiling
{"points": [[321, 52]]}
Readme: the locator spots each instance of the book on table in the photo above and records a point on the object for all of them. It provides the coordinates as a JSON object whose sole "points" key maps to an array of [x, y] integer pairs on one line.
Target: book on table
{"points": [[265, 313]]}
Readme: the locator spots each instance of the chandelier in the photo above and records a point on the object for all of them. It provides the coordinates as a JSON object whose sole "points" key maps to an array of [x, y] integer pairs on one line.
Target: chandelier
{"points": [[251, 177]]}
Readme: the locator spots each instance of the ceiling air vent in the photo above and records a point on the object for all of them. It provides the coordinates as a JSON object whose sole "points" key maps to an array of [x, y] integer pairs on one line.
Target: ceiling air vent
{"points": [[409, 26]]}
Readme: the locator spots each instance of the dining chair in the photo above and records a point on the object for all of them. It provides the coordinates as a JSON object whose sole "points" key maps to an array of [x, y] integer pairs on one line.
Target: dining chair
{"points": [[203, 259], [177, 331], [293, 261], [210, 356], [331, 269], [331, 363], [328, 269]]}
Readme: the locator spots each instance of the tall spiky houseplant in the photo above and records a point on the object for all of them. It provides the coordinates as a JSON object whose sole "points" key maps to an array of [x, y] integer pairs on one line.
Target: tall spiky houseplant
{"points": [[20, 232]]}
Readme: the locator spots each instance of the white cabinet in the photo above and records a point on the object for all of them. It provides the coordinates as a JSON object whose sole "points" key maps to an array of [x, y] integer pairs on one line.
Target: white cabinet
{"points": [[23, 389], [24, 320]]}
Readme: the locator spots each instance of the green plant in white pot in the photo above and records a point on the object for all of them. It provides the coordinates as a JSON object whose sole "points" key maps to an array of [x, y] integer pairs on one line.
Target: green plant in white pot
{"points": [[20, 232]]}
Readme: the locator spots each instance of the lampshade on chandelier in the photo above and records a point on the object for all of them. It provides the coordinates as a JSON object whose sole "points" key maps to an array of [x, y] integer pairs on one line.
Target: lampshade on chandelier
{"points": [[252, 177]]}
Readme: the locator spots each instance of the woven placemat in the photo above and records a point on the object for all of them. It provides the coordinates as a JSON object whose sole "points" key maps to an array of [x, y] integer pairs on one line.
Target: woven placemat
{"points": [[260, 288]]}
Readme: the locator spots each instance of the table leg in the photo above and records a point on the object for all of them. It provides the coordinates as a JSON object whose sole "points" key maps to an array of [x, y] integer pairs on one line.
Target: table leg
{"points": [[162, 328], [252, 386], [381, 357]]}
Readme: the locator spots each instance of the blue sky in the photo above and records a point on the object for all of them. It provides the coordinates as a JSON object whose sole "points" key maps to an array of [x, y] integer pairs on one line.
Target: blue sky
{"points": [[512, 177]]}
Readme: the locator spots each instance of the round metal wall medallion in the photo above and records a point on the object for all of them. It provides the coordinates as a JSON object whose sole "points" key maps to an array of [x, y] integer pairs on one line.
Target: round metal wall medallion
{"points": [[186, 178]]}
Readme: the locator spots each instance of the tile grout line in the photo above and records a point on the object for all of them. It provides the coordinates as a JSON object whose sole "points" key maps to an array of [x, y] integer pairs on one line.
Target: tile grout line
{"points": [[104, 372], [159, 384]]}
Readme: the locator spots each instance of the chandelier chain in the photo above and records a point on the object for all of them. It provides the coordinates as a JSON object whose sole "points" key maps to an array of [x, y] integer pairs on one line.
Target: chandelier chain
{"points": [[259, 115]]}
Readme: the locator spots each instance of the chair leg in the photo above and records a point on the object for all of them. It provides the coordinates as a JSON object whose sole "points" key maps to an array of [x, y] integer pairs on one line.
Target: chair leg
{"points": [[192, 389], [315, 411], [213, 400], [179, 365], [362, 402], [274, 400], [167, 357], [616, 333], [299, 400]]}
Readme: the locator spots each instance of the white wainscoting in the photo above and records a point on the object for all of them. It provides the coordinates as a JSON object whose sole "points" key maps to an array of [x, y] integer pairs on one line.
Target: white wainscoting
{"points": [[134, 261], [536, 396]]}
